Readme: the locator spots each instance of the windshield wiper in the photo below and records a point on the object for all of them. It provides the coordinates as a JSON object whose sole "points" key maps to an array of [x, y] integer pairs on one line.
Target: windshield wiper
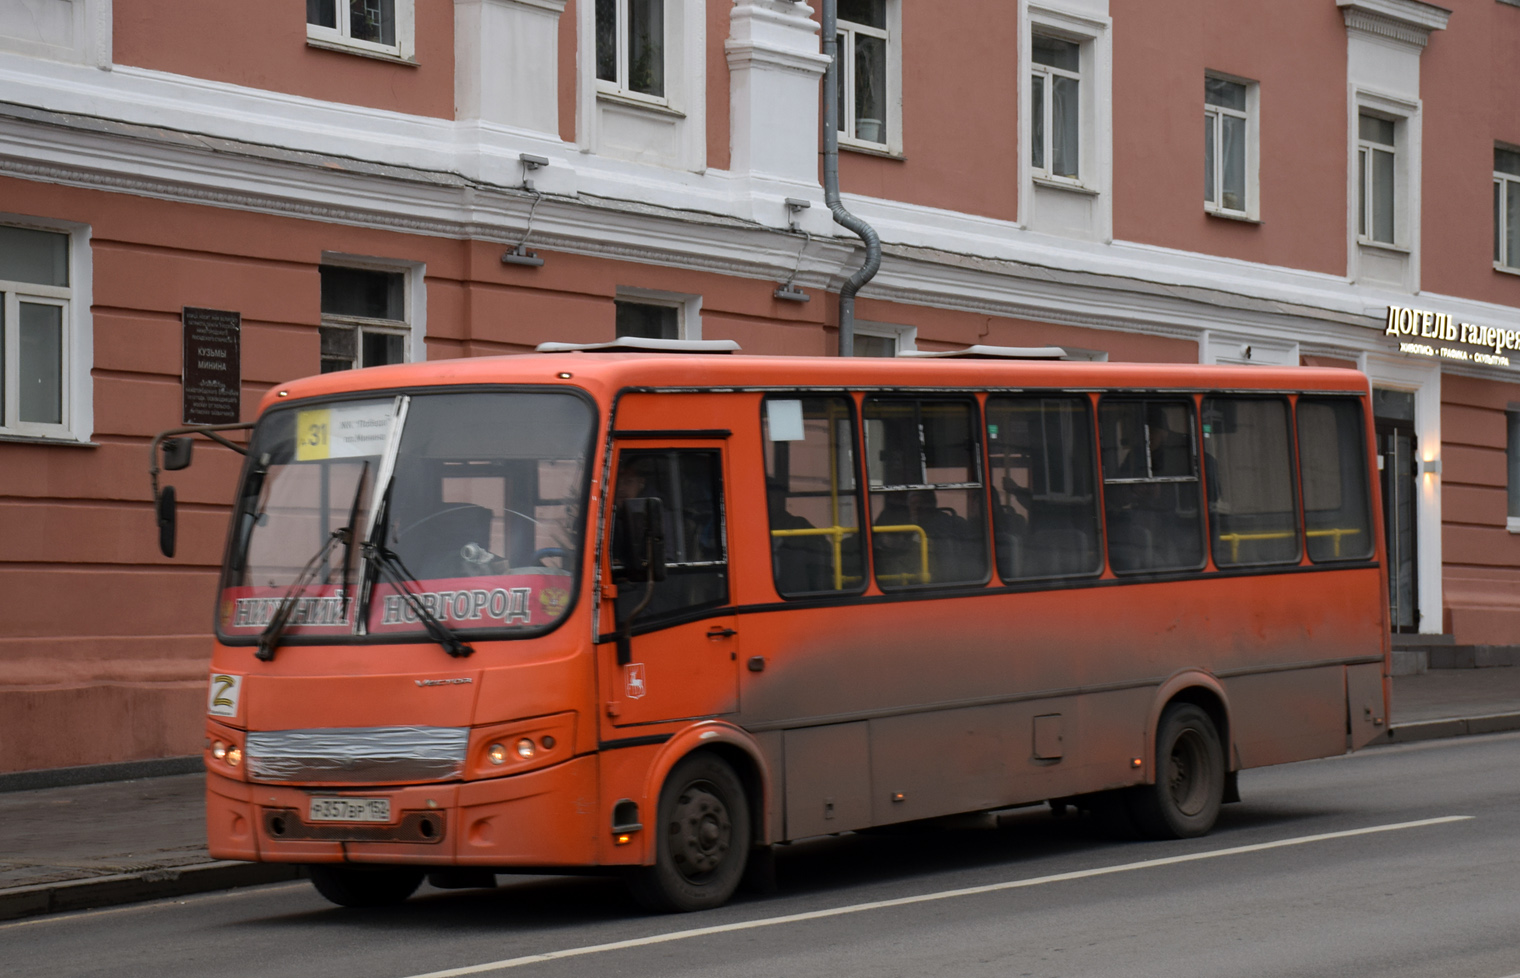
{"points": [[390, 566], [269, 639]]}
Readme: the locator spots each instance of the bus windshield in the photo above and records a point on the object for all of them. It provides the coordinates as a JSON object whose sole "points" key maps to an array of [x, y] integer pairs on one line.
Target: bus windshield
{"points": [[478, 498]]}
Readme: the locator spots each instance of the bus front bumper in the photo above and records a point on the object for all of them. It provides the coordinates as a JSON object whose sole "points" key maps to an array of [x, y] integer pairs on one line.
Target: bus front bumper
{"points": [[540, 818]]}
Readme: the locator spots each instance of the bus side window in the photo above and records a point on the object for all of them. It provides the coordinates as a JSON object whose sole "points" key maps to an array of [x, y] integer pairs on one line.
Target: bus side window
{"points": [[811, 495], [1150, 485], [1248, 464], [1332, 455], [923, 459], [690, 484], [1045, 507]]}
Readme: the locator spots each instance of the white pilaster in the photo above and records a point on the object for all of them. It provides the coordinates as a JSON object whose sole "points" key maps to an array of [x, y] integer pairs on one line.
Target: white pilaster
{"points": [[775, 66], [506, 62]]}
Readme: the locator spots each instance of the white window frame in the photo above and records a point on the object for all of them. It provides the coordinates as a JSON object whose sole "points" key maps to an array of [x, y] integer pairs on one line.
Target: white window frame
{"points": [[906, 337], [1375, 261], [1366, 210], [1045, 173], [413, 305], [1252, 117], [86, 38], [619, 88], [639, 129], [688, 307], [1058, 206], [893, 144], [1505, 262], [340, 38], [76, 356]]}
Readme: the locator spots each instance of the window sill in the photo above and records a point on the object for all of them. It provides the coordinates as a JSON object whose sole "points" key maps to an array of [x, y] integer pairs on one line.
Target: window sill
{"points": [[1068, 186], [1397, 249], [1505, 269], [344, 47], [870, 149], [628, 102], [1224, 215], [61, 441]]}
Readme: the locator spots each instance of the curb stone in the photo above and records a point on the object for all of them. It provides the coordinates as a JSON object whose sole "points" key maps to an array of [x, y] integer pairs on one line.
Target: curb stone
{"points": [[1407, 733], [156, 884]]}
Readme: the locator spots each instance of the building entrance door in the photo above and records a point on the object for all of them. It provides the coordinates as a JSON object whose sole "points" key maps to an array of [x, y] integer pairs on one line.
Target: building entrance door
{"points": [[1398, 473]]}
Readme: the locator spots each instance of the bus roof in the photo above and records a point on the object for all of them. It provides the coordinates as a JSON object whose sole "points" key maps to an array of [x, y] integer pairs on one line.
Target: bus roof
{"points": [[603, 374]]}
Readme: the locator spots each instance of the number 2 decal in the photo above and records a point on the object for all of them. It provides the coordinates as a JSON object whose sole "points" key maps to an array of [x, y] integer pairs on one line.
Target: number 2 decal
{"points": [[225, 692]]}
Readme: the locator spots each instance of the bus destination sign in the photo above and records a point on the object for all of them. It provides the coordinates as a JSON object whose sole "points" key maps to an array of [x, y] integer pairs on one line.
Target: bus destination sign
{"points": [[1434, 334]]}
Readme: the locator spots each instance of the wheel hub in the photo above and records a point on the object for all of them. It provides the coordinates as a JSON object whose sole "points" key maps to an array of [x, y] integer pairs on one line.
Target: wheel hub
{"points": [[701, 830]]}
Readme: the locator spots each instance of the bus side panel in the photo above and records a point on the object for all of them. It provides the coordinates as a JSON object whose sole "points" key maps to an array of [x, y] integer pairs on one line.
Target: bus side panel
{"points": [[828, 779], [1288, 716], [1364, 703]]}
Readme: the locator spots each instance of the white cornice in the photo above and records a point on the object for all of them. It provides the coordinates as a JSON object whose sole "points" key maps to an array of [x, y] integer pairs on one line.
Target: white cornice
{"points": [[1407, 21], [716, 221]]}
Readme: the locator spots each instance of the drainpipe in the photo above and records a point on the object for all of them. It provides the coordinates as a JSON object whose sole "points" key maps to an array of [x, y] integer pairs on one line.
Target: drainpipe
{"points": [[830, 15]]}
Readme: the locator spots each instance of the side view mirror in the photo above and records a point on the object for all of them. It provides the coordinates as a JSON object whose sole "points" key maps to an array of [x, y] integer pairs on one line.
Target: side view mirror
{"points": [[640, 542], [163, 507], [177, 453]]}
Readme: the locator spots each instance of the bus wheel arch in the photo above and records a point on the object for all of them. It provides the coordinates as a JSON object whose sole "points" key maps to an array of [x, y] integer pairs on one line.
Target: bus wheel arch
{"points": [[1203, 691], [1190, 777], [700, 834], [735, 748]]}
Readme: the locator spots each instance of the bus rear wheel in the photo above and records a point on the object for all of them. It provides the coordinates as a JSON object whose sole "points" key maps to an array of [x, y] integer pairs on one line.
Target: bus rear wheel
{"points": [[702, 839], [1184, 801], [365, 886]]}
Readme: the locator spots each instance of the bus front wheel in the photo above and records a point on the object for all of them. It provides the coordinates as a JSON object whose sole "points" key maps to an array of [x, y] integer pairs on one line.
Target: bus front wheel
{"points": [[365, 886], [1184, 801], [702, 839]]}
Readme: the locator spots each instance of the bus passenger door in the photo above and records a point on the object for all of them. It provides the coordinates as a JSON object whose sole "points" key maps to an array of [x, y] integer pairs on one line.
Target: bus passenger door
{"points": [[684, 647]]}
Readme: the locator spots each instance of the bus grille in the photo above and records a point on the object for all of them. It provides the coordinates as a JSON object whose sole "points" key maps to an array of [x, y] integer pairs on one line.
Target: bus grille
{"points": [[358, 754]]}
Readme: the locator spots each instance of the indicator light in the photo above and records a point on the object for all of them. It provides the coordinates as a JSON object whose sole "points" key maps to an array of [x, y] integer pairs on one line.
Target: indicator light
{"points": [[548, 741], [1136, 762], [497, 754], [525, 748], [234, 756], [564, 375], [623, 839]]}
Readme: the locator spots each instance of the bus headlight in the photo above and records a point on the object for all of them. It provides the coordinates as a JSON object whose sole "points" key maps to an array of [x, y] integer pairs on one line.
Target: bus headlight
{"points": [[525, 748], [497, 754], [219, 750], [234, 755]]}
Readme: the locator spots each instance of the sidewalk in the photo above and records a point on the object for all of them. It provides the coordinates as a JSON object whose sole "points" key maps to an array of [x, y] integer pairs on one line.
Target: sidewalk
{"points": [[93, 845]]}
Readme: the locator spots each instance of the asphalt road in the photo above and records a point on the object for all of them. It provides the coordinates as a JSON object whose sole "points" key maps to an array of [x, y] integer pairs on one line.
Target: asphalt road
{"points": [[1399, 861]]}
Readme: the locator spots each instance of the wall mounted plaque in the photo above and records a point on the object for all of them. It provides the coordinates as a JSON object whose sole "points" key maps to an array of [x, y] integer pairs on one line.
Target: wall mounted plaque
{"points": [[213, 368]]}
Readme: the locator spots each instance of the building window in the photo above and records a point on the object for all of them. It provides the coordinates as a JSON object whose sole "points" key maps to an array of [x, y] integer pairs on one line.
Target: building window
{"points": [[883, 339], [35, 354], [1229, 146], [648, 320], [375, 27], [365, 320], [1055, 107], [868, 73], [1506, 209], [630, 48], [1512, 454], [1376, 190]]}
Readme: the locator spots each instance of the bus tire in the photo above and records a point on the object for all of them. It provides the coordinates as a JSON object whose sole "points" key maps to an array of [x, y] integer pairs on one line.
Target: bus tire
{"points": [[702, 839], [365, 886], [1184, 801]]}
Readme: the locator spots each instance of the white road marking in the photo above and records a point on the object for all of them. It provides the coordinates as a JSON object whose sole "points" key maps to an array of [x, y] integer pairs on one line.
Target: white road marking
{"points": [[682, 935]]}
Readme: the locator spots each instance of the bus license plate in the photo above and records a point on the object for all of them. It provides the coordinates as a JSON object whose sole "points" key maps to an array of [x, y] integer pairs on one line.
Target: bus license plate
{"points": [[350, 810]]}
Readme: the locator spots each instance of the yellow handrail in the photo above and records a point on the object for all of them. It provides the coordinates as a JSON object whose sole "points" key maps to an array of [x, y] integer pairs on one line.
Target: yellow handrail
{"points": [[836, 535], [923, 547], [1235, 539]]}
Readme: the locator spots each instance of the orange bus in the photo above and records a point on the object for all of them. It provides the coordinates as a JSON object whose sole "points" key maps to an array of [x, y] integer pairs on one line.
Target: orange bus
{"points": [[652, 613]]}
